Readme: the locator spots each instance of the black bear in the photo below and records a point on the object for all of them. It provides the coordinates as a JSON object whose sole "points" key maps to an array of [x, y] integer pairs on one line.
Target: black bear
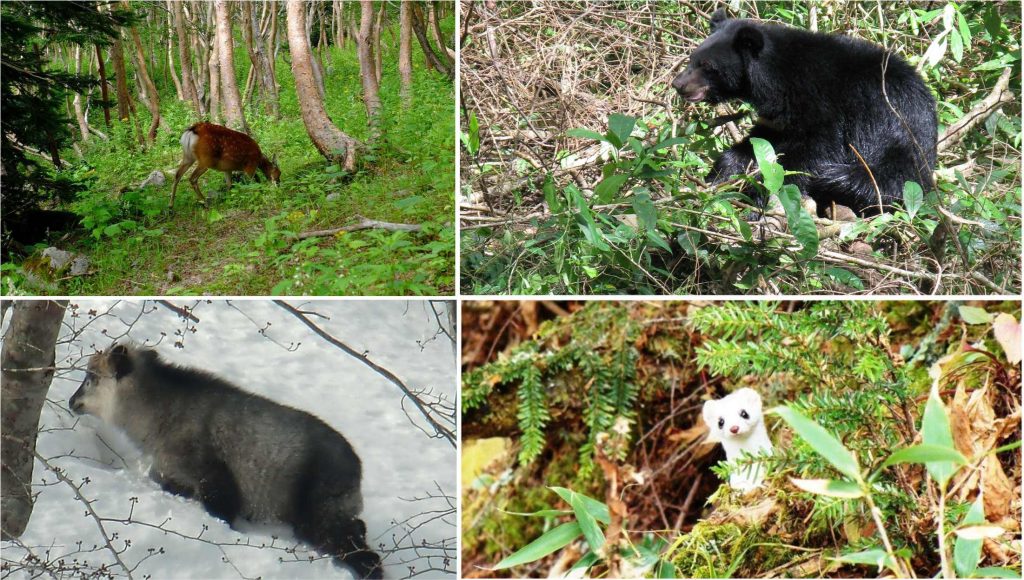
{"points": [[852, 116], [241, 455]]}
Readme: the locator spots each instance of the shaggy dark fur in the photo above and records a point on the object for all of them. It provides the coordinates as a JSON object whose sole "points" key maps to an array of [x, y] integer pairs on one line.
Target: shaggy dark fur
{"points": [[819, 96], [241, 455]]}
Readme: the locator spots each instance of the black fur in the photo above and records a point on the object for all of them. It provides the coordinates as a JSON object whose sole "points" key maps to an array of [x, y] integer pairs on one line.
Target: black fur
{"points": [[241, 455], [818, 95]]}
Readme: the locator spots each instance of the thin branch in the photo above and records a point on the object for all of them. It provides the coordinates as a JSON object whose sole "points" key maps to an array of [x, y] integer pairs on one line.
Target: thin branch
{"points": [[441, 430]]}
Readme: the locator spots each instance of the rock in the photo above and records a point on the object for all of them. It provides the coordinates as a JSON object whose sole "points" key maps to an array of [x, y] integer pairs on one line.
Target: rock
{"points": [[333, 196], [79, 266], [65, 262], [156, 177], [58, 258]]}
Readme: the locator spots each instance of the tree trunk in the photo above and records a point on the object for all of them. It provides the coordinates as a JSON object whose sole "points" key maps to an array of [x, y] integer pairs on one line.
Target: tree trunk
{"points": [[103, 85], [318, 69], [229, 86], [83, 125], [272, 46], [338, 23], [328, 139], [254, 42], [28, 366], [367, 69], [152, 99], [172, 71], [419, 29], [120, 78], [405, 52], [435, 28], [214, 66], [377, 55], [187, 84]]}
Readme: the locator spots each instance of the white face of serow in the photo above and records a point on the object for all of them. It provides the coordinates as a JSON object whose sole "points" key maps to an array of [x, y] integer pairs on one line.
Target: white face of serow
{"points": [[733, 416]]}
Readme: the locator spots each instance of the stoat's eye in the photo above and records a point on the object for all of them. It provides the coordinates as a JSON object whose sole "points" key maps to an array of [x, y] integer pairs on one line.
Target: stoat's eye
{"points": [[744, 414], [721, 422]]}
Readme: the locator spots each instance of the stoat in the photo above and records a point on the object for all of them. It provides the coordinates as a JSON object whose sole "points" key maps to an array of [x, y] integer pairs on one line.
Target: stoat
{"points": [[737, 423]]}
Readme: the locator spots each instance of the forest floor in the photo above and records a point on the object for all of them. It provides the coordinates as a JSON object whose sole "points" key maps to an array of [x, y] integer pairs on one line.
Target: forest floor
{"points": [[246, 242]]}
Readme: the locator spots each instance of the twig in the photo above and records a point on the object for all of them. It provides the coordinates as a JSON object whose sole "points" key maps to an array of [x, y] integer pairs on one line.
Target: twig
{"points": [[441, 430], [1000, 94], [364, 224]]}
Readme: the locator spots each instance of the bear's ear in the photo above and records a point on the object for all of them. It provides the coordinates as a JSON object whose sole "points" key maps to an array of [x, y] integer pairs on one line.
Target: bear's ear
{"points": [[749, 39], [718, 18], [120, 360]]}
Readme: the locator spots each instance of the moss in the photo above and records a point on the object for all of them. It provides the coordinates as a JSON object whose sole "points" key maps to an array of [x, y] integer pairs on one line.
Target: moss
{"points": [[712, 550]]}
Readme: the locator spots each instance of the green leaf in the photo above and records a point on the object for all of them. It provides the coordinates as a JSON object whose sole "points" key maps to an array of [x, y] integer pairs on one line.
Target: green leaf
{"points": [[548, 513], [555, 203], [872, 557], [551, 541], [913, 198], [666, 569], [975, 315], [924, 454], [935, 431], [844, 276], [593, 534], [670, 142], [956, 46], [586, 222], [965, 31], [829, 487], [996, 572], [471, 138], [596, 508], [801, 224], [971, 533], [609, 186], [586, 134], [967, 553], [621, 126], [771, 171], [588, 560], [646, 213], [822, 441]]}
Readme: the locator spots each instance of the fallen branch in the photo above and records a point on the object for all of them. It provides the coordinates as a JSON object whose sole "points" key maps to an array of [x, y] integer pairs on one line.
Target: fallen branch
{"points": [[1000, 94], [364, 224]]}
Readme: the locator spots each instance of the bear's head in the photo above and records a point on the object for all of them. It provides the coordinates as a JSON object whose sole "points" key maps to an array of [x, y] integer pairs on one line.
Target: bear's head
{"points": [[108, 378], [719, 69]]}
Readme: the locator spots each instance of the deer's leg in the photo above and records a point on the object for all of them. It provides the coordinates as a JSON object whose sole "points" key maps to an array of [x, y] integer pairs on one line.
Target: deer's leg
{"points": [[194, 180], [185, 164]]}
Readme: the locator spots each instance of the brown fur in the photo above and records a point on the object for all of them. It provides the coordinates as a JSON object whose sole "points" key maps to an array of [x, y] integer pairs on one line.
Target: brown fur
{"points": [[217, 147]]}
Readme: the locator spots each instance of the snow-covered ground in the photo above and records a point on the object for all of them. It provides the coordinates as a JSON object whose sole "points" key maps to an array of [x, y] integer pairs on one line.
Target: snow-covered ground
{"points": [[264, 349]]}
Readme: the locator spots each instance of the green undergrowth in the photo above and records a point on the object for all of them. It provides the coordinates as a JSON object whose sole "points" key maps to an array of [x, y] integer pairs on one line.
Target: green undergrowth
{"points": [[247, 242]]}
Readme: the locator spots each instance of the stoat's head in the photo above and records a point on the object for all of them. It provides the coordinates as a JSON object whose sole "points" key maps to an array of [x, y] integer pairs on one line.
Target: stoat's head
{"points": [[733, 416]]}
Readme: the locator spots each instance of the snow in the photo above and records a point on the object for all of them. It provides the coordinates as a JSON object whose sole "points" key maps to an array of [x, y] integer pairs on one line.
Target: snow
{"points": [[264, 349]]}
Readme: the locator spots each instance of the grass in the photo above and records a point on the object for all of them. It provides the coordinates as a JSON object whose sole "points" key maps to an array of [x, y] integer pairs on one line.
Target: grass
{"points": [[245, 243]]}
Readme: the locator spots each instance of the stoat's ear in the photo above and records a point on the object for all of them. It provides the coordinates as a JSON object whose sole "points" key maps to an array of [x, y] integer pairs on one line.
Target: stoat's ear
{"points": [[749, 399], [711, 419]]}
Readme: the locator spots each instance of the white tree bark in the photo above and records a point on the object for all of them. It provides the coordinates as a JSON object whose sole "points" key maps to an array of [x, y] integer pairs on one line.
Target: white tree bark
{"points": [[328, 139], [226, 53], [28, 366]]}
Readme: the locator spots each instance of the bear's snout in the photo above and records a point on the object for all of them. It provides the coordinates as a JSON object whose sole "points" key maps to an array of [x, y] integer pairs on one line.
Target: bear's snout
{"points": [[690, 85], [76, 402]]}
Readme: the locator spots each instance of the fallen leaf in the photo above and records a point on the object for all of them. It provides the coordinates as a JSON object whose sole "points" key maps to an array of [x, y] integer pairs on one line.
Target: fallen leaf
{"points": [[1007, 331]]}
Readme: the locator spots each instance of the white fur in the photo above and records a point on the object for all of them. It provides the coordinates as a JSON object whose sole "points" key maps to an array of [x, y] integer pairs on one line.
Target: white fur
{"points": [[188, 146], [739, 435]]}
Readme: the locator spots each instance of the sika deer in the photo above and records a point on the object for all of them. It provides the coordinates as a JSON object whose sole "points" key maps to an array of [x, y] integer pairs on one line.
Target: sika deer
{"points": [[223, 149]]}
